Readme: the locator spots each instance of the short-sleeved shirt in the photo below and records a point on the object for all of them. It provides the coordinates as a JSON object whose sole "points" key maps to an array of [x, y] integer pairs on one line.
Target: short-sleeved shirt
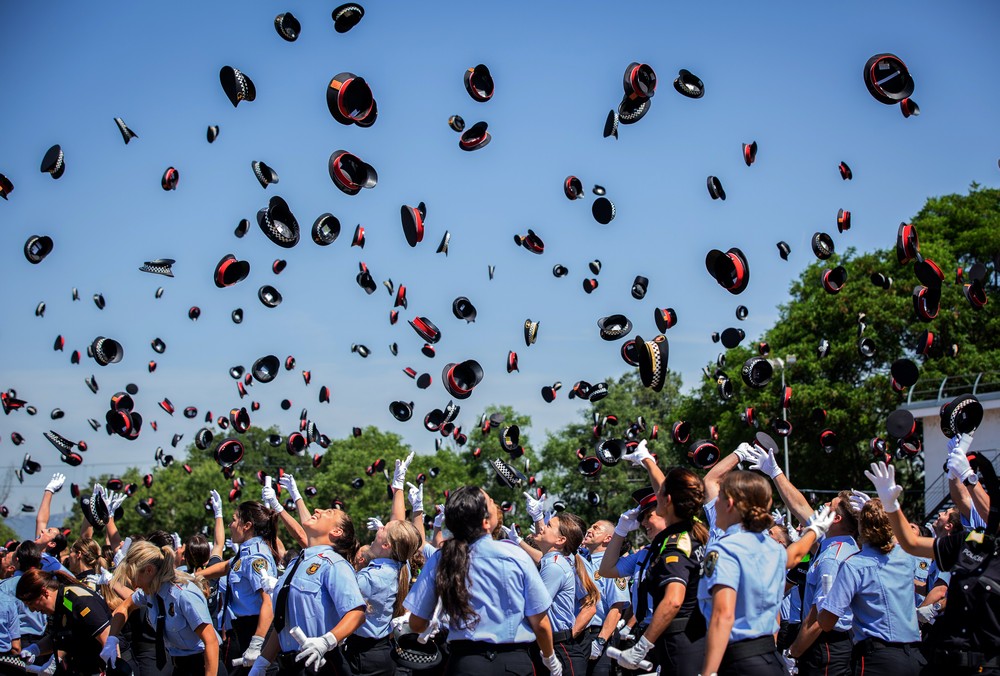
{"points": [[10, 625], [753, 565], [560, 581], [676, 557], [614, 591], [379, 583], [791, 606], [321, 590], [875, 589], [971, 619], [50, 564], [832, 553], [245, 580], [921, 566], [505, 589], [186, 609], [80, 617], [631, 567], [31, 622], [714, 532]]}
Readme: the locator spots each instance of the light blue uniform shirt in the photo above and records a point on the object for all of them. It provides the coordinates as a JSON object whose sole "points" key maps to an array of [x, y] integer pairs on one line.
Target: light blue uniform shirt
{"points": [[934, 576], [323, 590], [186, 609], [560, 581], [832, 553], [9, 623], [50, 564], [379, 583], [628, 567], [873, 587], [791, 606], [752, 564], [245, 578], [714, 532], [613, 591], [505, 589], [31, 622], [921, 566]]}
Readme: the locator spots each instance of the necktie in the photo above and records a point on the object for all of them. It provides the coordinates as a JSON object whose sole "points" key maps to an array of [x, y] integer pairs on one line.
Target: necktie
{"points": [[282, 601], [161, 623], [227, 598]]}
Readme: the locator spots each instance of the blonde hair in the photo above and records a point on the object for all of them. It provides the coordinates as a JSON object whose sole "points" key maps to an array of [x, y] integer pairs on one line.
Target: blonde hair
{"points": [[140, 555], [90, 552], [874, 527], [404, 542], [751, 496]]}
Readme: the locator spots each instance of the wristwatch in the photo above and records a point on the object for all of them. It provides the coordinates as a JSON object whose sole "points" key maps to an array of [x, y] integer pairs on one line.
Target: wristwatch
{"points": [[602, 642], [972, 479]]}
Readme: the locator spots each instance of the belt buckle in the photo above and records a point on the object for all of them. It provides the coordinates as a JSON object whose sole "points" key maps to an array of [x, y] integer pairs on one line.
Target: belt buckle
{"points": [[491, 655]]}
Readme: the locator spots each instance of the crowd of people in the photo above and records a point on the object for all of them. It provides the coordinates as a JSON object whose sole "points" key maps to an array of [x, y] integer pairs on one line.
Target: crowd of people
{"points": [[701, 576]]}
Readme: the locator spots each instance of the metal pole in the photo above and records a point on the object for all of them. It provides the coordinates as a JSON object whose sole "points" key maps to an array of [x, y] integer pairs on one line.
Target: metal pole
{"points": [[784, 416]]}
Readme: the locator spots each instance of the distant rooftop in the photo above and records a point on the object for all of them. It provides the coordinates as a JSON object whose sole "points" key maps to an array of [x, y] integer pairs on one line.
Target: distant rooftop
{"points": [[984, 385]]}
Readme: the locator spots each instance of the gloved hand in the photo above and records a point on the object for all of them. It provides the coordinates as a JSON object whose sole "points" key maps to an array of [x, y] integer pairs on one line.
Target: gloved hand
{"points": [[47, 668], [114, 501], [638, 455], [253, 651], [764, 462], [820, 521], [964, 443], [415, 494], [30, 654], [513, 533], [624, 631], [433, 626], [103, 576], [267, 582], [313, 649], [399, 474], [883, 477], [122, 551], [628, 522], [794, 535], [857, 500], [259, 667], [928, 614], [213, 495], [553, 664], [959, 467], [374, 523], [439, 518], [630, 659], [779, 518], [109, 653], [270, 498], [287, 481], [231, 545], [55, 484], [597, 647], [745, 452], [176, 539], [790, 663], [535, 507]]}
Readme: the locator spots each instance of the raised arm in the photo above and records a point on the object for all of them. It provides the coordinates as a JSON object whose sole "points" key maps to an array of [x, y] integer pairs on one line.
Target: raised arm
{"points": [[398, 512], [765, 463], [287, 481], [416, 497], [884, 479], [219, 534], [721, 469], [270, 499], [959, 468], [627, 522], [641, 457], [54, 485]]}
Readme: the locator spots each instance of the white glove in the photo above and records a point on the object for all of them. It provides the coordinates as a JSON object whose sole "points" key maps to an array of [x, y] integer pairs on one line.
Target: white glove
{"points": [[628, 522], [553, 664], [259, 667], [638, 455], [883, 477], [433, 626], [374, 523], [399, 474], [959, 467], [270, 498], [47, 668], [177, 540], [597, 649], [416, 497], [535, 507], [964, 443], [793, 535], [764, 462], [513, 533], [790, 663], [624, 631], [928, 614], [287, 481], [779, 518], [55, 484], [114, 501], [252, 652], [231, 545], [630, 659], [109, 653], [313, 649], [213, 495], [103, 576], [820, 521], [439, 518], [122, 551], [30, 654], [745, 452], [401, 625], [857, 500], [267, 582]]}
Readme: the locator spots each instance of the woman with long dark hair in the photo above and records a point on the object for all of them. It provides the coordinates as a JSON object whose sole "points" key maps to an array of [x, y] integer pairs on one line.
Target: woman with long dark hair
{"points": [[80, 623], [676, 631], [743, 579], [177, 607], [495, 600]]}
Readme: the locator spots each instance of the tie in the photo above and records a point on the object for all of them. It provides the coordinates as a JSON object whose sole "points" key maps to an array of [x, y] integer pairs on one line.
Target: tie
{"points": [[161, 623], [282, 601], [226, 598]]}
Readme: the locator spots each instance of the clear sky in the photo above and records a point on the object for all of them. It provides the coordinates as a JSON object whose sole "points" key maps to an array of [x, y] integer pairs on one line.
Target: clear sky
{"points": [[788, 75]]}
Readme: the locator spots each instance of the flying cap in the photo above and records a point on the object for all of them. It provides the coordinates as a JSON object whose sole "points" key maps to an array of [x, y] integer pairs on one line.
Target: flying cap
{"points": [[237, 85]]}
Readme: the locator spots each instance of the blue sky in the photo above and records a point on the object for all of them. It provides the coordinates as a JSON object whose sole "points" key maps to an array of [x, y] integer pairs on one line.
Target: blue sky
{"points": [[786, 75]]}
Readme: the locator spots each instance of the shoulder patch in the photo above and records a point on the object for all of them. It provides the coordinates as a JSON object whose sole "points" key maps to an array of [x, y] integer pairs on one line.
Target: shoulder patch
{"points": [[684, 543], [597, 576], [259, 565], [710, 561], [236, 566], [923, 565], [311, 570], [621, 583], [671, 559]]}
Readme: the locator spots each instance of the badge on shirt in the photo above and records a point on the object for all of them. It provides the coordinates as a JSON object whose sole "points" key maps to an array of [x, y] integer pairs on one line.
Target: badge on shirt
{"points": [[597, 576], [170, 610], [621, 583], [259, 565], [923, 565], [236, 566], [710, 561], [311, 570]]}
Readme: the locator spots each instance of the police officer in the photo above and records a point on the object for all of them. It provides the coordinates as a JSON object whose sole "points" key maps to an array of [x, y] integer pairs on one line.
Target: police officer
{"points": [[743, 579], [177, 608], [494, 597], [676, 627], [32, 624], [874, 585], [246, 606], [966, 638], [318, 595], [614, 599], [10, 633]]}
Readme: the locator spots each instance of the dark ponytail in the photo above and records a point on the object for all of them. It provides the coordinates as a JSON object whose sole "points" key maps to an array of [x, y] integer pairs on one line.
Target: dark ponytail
{"points": [[687, 495], [346, 544], [464, 514], [264, 522]]}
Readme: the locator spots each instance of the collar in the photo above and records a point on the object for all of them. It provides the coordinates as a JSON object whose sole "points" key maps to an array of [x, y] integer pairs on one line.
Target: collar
{"points": [[836, 539], [316, 550], [245, 546], [385, 561], [735, 528]]}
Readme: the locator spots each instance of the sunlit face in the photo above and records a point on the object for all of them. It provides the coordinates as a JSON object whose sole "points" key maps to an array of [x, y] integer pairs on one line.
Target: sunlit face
{"points": [[652, 523], [595, 535], [144, 578], [549, 538], [942, 524], [778, 535], [324, 522], [239, 531], [491, 511], [46, 536], [380, 547], [45, 603]]}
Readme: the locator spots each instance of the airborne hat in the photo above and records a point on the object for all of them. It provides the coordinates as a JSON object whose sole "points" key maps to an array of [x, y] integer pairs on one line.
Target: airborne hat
{"points": [[237, 86], [278, 223], [54, 162], [347, 17], [326, 229], [288, 26], [614, 327], [731, 269], [350, 100], [265, 174], [689, 85], [350, 173], [479, 83]]}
